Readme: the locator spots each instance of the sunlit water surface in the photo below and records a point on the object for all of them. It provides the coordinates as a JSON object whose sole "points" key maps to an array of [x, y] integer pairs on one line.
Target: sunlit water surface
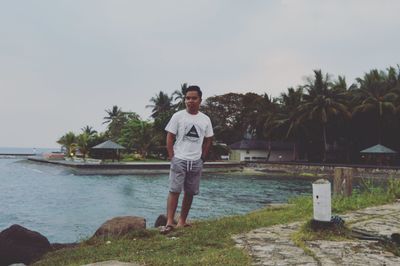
{"points": [[67, 208]]}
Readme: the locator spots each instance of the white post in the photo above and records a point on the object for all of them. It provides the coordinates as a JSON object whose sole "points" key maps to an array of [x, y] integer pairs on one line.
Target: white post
{"points": [[322, 200]]}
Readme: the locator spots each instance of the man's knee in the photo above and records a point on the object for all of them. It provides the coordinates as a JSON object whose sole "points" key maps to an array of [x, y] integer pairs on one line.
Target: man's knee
{"points": [[174, 194]]}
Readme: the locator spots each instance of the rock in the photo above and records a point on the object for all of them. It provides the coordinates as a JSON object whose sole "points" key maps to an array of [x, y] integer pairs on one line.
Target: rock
{"points": [[162, 220], [20, 245], [120, 226]]}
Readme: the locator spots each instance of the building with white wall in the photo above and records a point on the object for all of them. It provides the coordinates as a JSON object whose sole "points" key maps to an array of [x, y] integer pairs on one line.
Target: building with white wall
{"points": [[260, 150]]}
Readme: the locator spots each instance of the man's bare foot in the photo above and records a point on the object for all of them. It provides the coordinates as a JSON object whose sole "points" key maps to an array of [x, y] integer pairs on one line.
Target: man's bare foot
{"points": [[183, 225], [166, 229]]}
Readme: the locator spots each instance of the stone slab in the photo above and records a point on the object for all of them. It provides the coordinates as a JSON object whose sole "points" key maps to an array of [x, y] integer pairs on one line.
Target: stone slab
{"points": [[273, 245]]}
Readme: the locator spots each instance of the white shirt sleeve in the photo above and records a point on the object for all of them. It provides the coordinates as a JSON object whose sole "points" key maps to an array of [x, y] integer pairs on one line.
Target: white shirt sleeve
{"points": [[172, 125], [209, 129]]}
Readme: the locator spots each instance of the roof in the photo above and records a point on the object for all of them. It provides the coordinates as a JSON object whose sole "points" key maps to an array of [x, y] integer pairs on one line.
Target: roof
{"points": [[378, 149], [261, 145], [110, 145]]}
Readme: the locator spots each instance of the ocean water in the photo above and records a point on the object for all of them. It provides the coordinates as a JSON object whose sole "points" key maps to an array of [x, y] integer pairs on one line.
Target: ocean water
{"points": [[33, 150], [68, 208]]}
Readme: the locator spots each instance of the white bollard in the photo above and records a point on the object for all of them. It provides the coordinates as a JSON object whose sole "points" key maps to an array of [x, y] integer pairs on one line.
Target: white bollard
{"points": [[322, 200]]}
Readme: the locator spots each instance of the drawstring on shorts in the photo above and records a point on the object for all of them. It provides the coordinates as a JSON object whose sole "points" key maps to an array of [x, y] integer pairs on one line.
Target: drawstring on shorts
{"points": [[189, 166]]}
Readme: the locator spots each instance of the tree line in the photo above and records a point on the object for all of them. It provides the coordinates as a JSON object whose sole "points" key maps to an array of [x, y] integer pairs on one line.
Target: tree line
{"points": [[326, 118]]}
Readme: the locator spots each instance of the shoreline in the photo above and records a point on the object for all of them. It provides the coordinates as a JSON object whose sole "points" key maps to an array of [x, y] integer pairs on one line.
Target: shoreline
{"points": [[118, 168], [278, 169]]}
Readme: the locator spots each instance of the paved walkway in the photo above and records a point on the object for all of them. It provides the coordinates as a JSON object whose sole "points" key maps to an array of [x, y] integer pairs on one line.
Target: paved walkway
{"points": [[273, 245]]}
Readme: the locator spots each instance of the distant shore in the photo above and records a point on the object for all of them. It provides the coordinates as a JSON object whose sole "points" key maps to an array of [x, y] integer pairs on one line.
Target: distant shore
{"points": [[295, 169], [122, 168]]}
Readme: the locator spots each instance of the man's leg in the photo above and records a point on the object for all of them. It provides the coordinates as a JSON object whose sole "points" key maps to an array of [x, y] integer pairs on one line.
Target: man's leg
{"points": [[172, 204], [186, 204], [191, 185], [176, 180]]}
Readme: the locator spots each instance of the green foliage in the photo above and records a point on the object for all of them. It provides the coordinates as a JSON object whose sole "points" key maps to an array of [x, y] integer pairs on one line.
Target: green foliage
{"points": [[161, 103], [116, 120], [226, 112], [69, 142], [393, 187], [322, 102], [160, 122], [179, 97], [83, 144], [132, 157], [323, 115], [97, 138], [89, 130], [138, 135]]}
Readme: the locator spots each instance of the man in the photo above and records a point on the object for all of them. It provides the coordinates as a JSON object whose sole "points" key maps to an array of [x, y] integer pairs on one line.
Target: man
{"points": [[192, 132]]}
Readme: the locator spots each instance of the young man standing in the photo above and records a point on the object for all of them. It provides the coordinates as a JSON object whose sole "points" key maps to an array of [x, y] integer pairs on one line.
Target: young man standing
{"points": [[192, 132]]}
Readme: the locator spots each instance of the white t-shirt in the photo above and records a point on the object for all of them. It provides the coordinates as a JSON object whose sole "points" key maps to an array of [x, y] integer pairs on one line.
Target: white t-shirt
{"points": [[190, 131]]}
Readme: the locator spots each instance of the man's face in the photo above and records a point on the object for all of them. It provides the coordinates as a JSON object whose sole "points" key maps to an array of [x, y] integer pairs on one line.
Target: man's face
{"points": [[192, 101]]}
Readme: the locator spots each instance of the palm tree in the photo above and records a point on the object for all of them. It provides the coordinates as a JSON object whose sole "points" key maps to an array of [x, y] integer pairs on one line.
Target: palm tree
{"points": [[180, 97], [284, 122], [82, 142], [376, 94], [116, 120], [161, 103], [112, 114], [256, 111], [321, 102], [88, 130], [69, 142]]}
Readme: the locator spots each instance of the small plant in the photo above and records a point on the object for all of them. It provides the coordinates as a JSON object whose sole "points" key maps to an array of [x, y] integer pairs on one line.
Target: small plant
{"points": [[334, 233], [393, 187]]}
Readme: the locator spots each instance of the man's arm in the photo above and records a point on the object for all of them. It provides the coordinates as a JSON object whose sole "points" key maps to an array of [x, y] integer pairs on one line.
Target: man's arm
{"points": [[170, 145], [206, 148]]}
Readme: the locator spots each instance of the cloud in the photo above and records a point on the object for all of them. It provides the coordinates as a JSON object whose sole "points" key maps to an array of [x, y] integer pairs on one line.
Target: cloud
{"points": [[63, 62]]}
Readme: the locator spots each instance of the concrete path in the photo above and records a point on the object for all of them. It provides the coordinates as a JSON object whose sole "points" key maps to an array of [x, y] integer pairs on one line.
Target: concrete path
{"points": [[273, 245]]}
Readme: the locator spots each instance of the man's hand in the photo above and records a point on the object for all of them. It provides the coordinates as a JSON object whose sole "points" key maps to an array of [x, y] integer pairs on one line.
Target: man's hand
{"points": [[170, 145], [206, 148]]}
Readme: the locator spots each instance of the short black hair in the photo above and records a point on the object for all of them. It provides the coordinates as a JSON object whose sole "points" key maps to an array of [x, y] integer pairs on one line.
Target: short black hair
{"points": [[194, 88]]}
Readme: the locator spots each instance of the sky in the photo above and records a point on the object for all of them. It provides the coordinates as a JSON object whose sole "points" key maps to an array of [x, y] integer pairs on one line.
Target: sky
{"points": [[64, 62]]}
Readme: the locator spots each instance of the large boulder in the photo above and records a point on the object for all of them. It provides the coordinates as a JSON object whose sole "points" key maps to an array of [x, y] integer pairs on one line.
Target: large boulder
{"points": [[120, 226], [20, 245]]}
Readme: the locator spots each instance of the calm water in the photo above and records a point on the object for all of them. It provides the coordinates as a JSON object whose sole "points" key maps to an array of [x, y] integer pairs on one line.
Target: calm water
{"points": [[66, 207]]}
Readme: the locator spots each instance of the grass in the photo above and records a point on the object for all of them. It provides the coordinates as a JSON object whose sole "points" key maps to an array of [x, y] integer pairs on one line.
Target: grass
{"points": [[210, 242], [306, 233]]}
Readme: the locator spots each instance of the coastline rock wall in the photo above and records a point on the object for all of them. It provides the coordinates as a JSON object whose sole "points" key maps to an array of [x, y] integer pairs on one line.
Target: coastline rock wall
{"points": [[309, 170]]}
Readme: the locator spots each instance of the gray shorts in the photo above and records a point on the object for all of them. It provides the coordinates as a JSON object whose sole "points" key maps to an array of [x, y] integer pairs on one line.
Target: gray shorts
{"points": [[185, 174]]}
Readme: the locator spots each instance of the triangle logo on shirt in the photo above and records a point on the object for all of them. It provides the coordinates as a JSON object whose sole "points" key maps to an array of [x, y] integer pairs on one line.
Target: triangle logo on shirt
{"points": [[193, 133]]}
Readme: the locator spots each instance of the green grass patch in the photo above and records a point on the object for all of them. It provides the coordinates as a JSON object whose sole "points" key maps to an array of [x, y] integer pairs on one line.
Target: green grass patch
{"points": [[306, 233], [210, 242]]}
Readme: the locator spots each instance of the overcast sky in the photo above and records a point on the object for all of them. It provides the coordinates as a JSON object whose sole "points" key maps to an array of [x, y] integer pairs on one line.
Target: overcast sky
{"points": [[62, 63]]}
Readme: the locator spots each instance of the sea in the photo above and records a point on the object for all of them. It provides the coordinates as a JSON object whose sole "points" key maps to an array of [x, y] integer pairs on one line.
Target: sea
{"points": [[66, 208]]}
